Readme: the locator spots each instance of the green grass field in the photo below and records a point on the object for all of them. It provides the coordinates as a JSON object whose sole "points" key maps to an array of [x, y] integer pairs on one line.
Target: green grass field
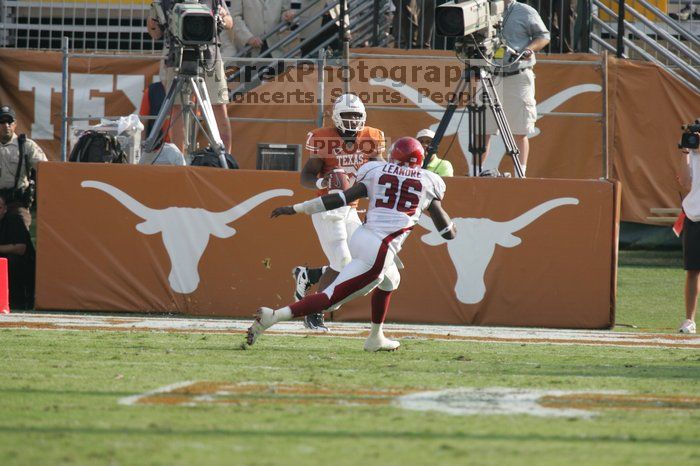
{"points": [[60, 390]]}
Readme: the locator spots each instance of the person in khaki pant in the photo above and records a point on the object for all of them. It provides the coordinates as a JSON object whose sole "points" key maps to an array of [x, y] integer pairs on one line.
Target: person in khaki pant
{"points": [[212, 67]]}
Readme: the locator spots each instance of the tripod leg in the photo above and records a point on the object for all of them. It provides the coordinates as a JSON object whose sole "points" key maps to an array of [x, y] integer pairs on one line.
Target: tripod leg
{"points": [[152, 141], [447, 116], [212, 133], [477, 144], [190, 124], [502, 123]]}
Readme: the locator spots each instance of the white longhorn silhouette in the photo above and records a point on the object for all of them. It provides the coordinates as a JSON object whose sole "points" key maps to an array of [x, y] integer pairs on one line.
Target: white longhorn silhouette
{"points": [[185, 230], [496, 148], [473, 247]]}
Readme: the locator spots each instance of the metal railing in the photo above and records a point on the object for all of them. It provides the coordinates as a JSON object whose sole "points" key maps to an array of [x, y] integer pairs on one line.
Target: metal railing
{"points": [[91, 25], [660, 40]]}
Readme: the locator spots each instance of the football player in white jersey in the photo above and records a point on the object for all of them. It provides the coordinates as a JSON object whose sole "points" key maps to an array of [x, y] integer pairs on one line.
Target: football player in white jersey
{"points": [[398, 192]]}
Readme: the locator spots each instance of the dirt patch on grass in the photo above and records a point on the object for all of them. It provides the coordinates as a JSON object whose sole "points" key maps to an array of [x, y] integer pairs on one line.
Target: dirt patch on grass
{"points": [[196, 393], [459, 401], [593, 401]]}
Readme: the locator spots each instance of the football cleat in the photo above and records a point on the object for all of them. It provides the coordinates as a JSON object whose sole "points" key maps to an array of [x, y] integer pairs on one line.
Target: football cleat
{"points": [[264, 319], [302, 282], [687, 327], [315, 322], [380, 343]]}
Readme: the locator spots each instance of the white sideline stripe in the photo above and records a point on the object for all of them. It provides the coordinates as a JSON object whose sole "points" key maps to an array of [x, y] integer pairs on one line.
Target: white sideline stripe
{"points": [[350, 329], [133, 399]]}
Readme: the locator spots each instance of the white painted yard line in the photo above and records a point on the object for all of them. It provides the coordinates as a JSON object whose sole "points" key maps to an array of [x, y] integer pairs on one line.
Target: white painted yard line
{"points": [[496, 334]]}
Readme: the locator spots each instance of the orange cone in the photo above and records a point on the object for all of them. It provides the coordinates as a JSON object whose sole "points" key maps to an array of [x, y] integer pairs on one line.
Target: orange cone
{"points": [[4, 290]]}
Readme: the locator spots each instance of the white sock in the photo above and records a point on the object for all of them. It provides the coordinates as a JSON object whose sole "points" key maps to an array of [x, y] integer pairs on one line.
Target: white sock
{"points": [[376, 330], [524, 167], [284, 313]]}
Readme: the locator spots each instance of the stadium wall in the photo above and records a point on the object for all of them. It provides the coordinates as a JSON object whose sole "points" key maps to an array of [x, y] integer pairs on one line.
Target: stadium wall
{"points": [[128, 238], [646, 107]]}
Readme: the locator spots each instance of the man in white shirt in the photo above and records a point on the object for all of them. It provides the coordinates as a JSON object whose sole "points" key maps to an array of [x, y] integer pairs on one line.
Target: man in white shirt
{"points": [[689, 178], [523, 31]]}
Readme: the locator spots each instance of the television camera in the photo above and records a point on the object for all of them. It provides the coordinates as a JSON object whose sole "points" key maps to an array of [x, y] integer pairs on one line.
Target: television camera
{"points": [[476, 26], [689, 137], [189, 28], [189, 22]]}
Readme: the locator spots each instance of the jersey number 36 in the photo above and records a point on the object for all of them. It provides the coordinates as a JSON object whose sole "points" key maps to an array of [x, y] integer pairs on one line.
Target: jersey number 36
{"points": [[402, 196]]}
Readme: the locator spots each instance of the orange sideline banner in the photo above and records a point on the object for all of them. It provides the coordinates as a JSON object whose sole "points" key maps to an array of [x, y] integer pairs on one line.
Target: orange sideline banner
{"points": [[199, 241]]}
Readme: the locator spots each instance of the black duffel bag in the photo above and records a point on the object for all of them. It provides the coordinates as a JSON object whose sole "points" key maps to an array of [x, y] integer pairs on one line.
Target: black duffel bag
{"points": [[208, 158], [96, 147]]}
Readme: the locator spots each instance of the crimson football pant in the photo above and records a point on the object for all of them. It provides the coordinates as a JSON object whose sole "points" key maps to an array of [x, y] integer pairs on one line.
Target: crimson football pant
{"points": [[372, 266]]}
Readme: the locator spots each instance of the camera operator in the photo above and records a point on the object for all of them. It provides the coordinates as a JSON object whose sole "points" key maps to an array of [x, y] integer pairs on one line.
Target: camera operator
{"points": [[18, 156], [524, 31], [689, 178], [213, 68]]}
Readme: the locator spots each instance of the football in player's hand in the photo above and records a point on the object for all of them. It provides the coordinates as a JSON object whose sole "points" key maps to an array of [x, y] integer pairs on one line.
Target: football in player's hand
{"points": [[337, 181]]}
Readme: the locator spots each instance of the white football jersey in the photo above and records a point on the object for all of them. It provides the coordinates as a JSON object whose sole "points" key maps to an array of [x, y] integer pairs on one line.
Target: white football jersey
{"points": [[397, 194]]}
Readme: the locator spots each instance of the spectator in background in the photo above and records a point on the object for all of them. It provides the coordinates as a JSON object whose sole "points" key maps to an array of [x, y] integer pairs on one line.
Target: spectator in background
{"points": [[330, 34], [559, 16], [16, 164], [214, 76], [228, 43], [16, 246], [436, 165], [405, 23], [689, 178], [413, 23], [253, 19], [426, 23]]}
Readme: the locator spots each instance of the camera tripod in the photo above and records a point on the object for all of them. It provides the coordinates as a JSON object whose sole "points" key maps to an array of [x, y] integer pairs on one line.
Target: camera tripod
{"points": [[189, 81], [471, 77]]}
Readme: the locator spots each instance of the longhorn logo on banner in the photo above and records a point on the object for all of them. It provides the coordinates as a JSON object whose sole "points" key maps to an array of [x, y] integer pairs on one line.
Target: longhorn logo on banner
{"points": [[472, 249], [185, 230]]}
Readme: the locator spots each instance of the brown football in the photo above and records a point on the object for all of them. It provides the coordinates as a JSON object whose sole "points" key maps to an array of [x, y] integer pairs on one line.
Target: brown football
{"points": [[337, 181]]}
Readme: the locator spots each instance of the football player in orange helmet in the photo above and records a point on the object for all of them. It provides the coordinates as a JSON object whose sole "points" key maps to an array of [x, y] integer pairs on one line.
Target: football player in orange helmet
{"points": [[346, 146]]}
